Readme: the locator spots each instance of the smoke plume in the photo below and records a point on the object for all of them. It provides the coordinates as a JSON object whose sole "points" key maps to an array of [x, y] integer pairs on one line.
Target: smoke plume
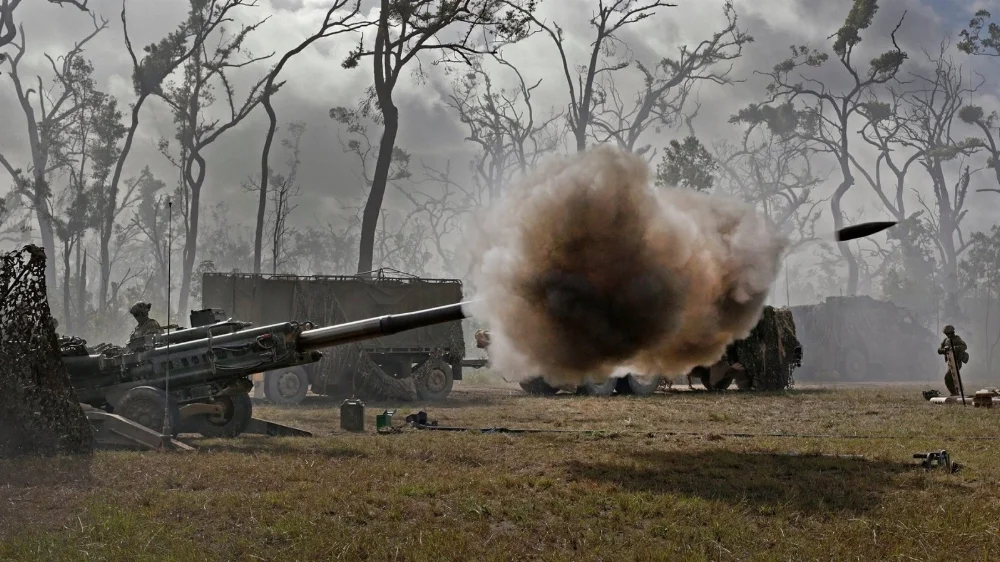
{"points": [[584, 267]]}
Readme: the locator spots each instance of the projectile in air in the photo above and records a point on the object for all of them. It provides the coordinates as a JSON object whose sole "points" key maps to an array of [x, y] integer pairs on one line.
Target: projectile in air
{"points": [[862, 230]]}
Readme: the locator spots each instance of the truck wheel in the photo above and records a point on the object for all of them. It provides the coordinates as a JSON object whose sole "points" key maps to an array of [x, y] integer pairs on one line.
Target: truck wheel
{"points": [[145, 405], [591, 388], [538, 387], [436, 383], [237, 411], [642, 386], [855, 365], [286, 387]]}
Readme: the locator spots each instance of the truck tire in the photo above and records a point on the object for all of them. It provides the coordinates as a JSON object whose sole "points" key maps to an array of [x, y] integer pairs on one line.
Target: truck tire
{"points": [[286, 387], [591, 388], [436, 383], [538, 387], [145, 405], [236, 417], [855, 365], [642, 386]]}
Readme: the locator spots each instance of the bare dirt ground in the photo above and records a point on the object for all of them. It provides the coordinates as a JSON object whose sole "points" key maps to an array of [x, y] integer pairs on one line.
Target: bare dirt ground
{"points": [[814, 473]]}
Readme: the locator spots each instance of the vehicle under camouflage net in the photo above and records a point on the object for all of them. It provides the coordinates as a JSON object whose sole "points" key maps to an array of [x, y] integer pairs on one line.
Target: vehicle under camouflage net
{"points": [[421, 363], [764, 360], [39, 412], [861, 338]]}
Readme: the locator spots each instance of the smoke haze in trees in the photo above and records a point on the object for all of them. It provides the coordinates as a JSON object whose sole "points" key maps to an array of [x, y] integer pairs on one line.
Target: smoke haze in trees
{"points": [[584, 267]]}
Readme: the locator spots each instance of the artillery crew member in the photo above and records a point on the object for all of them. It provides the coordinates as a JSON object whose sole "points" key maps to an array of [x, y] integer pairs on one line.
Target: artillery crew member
{"points": [[953, 342], [145, 326]]}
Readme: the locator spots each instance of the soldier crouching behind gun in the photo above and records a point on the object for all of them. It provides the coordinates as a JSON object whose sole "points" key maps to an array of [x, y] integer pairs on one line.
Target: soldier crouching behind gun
{"points": [[959, 351], [145, 326]]}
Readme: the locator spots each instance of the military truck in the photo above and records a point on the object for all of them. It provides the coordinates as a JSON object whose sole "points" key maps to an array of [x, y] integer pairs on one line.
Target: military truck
{"points": [[333, 299], [764, 360], [860, 338]]}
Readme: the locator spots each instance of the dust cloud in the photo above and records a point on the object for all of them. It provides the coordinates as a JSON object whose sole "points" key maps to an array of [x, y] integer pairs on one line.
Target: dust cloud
{"points": [[584, 268]]}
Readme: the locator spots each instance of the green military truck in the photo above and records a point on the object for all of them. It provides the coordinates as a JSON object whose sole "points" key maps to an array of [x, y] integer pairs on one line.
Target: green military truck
{"points": [[857, 339], [434, 351]]}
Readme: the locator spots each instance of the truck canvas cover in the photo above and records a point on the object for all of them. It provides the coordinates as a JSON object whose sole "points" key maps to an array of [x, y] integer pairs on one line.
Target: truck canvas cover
{"points": [[270, 299]]}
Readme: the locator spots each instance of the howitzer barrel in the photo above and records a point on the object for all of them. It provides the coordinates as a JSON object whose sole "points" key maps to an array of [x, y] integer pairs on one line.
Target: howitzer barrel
{"points": [[382, 326]]}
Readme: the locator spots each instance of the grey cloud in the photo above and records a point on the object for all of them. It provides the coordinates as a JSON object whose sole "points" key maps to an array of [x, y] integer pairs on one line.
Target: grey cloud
{"points": [[316, 82]]}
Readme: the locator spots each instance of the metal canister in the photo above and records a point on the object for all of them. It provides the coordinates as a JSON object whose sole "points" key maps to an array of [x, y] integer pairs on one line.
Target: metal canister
{"points": [[352, 415]]}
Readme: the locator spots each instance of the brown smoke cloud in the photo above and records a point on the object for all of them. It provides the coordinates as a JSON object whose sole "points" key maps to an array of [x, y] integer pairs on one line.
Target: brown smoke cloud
{"points": [[584, 268]]}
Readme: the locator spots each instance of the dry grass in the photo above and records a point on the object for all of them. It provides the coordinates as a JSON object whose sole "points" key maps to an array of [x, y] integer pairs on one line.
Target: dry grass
{"points": [[635, 492]]}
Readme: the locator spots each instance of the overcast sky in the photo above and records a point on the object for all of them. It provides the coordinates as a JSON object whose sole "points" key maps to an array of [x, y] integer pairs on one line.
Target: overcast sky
{"points": [[316, 82]]}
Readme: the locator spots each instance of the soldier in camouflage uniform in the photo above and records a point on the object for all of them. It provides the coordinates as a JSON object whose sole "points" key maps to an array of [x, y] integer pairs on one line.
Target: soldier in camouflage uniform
{"points": [[955, 343], [145, 326]]}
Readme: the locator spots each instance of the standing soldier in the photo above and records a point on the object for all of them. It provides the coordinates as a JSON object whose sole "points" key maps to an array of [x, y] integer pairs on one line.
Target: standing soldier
{"points": [[959, 351], [145, 326]]}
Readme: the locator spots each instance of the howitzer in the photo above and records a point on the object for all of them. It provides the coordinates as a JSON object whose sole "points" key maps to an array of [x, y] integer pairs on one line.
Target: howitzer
{"points": [[200, 376]]}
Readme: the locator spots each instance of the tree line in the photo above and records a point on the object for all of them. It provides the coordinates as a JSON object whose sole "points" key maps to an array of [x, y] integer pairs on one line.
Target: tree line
{"points": [[900, 127]]}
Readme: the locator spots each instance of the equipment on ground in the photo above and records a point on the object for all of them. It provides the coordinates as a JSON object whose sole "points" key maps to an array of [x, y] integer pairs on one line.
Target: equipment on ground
{"points": [[937, 459], [198, 379], [431, 356], [352, 415]]}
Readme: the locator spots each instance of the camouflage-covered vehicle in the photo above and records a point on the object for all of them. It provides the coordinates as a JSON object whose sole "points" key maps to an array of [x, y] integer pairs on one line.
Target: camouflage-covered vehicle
{"points": [[764, 360], [864, 339], [433, 353]]}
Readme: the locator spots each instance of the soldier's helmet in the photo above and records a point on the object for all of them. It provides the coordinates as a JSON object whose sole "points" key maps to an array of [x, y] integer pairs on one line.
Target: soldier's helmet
{"points": [[949, 330], [140, 309]]}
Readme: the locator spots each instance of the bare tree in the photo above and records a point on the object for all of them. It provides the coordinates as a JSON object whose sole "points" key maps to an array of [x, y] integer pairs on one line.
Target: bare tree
{"points": [[982, 38], [7, 29], [611, 17], [151, 219], [285, 189], [934, 103], [826, 116], [407, 28], [190, 100], [503, 125], [333, 24], [773, 168], [148, 74], [47, 112], [666, 87]]}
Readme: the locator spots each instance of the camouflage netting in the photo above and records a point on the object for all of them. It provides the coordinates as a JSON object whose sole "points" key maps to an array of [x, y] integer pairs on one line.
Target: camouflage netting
{"points": [[771, 350], [39, 412], [318, 304]]}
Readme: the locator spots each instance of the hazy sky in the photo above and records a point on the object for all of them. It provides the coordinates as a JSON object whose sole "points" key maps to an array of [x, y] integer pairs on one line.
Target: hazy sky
{"points": [[316, 82]]}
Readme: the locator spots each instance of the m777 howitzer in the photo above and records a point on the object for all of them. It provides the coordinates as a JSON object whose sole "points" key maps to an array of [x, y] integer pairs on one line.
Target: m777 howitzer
{"points": [[197, 380]]}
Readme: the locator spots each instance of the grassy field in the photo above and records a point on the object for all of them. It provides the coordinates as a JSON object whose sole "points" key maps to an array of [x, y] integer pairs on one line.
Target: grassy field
{"points": [[663, 478]]}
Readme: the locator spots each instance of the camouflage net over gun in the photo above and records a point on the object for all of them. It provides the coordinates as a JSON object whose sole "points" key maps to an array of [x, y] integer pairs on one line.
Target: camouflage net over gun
{"points": [[318, 304], [39, 411], [771, 350]]}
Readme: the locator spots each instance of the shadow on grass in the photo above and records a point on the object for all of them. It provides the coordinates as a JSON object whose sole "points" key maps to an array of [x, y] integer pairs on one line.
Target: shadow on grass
{"points": [[766, 481], [72, 471], [457, 400], [279, 446]]}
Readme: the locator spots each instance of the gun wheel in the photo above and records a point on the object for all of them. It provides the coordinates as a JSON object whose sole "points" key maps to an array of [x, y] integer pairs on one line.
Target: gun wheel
{"points": [[146, 405], [537, 386], [591, 388], [642, 386], [855, 365], [236, 413]]}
